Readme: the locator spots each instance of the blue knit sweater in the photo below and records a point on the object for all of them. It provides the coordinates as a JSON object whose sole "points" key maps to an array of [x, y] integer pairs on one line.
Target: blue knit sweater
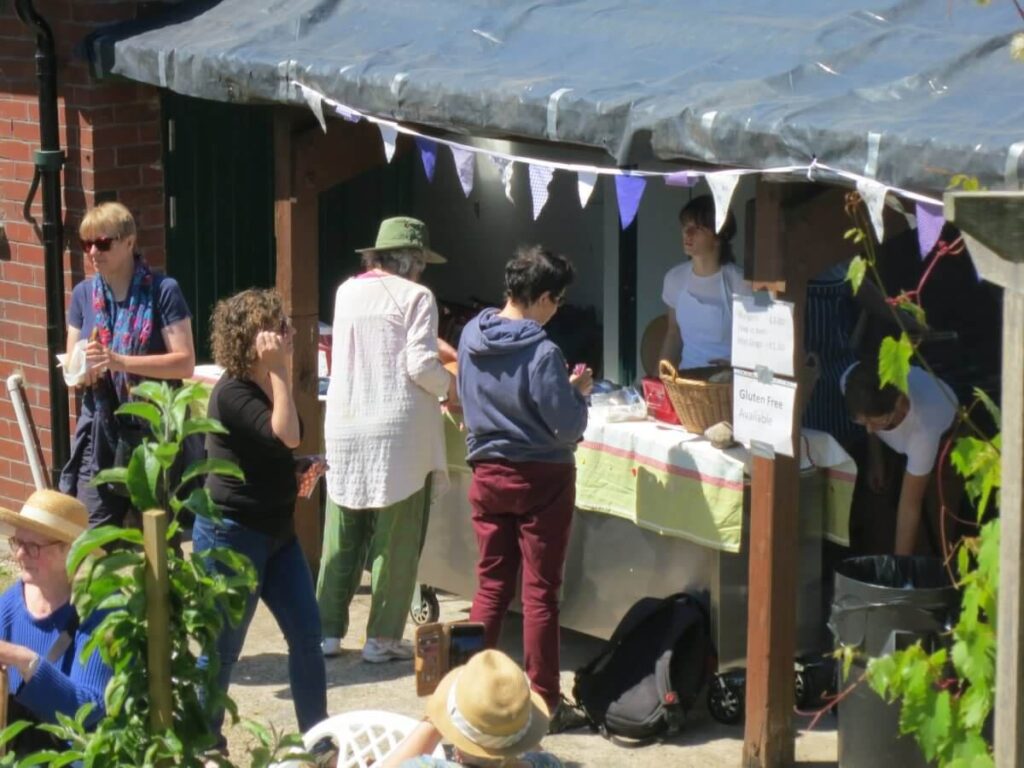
{"points": [[61, 687]]}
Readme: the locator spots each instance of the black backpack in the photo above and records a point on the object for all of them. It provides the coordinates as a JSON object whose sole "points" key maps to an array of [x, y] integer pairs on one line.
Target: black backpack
{"points": [[649, 674]]}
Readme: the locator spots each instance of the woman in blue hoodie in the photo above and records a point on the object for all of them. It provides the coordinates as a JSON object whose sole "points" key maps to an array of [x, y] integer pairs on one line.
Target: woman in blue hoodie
{"points": [[524, 415]]}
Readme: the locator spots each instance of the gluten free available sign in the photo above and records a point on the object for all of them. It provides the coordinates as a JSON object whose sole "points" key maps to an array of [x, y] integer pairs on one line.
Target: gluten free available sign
{"points": [[763, 411]]}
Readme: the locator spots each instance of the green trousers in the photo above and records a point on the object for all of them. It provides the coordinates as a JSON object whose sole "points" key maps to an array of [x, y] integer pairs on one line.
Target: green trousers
{"points": [[390, 539]]}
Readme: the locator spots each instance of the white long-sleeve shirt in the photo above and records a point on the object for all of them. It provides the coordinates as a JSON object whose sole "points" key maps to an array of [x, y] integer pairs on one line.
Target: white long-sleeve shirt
{"points": [[383, 426]]}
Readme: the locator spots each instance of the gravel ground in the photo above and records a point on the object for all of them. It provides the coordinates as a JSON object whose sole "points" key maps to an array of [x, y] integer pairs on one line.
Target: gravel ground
{"points": [[260, 686]]}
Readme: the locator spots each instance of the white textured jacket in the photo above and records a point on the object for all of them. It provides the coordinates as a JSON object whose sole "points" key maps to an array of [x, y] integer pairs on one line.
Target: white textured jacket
{"points": [[383, 426]]}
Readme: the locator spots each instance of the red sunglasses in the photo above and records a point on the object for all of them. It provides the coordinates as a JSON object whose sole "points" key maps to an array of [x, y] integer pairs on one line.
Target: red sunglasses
{"points": [[102, 244]]}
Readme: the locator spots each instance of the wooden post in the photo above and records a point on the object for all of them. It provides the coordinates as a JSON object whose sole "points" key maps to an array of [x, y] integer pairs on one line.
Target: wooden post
{"points": [[308, 161], [992, 224], [771, 623], [158, 656], [296, 230]]}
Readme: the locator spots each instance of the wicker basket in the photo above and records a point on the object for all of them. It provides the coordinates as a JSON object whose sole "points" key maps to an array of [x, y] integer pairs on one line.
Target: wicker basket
{"points": [[698, 403]]}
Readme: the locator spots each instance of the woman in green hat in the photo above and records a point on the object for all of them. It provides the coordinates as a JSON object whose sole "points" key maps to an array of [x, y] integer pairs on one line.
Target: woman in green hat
{"points": [[384, 438]]}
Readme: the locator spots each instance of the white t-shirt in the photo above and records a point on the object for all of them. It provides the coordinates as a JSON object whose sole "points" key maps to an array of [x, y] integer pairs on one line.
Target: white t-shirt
{"points": [[704, 315], [931, 413]]}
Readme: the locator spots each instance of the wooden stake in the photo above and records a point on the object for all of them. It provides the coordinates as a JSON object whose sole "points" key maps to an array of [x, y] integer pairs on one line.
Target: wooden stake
{"points": [[154, 536], [4, 687]]}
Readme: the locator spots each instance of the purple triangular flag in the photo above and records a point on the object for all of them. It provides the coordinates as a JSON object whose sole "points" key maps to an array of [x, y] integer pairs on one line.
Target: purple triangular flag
{"points": [[628, 191], [681, 179], [929, 226], [428, 154]]}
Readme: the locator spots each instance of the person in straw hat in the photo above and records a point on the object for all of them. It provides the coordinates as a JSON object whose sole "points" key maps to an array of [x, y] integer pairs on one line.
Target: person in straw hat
{"points": [[42, 635], [384, 437], [486, 711]]}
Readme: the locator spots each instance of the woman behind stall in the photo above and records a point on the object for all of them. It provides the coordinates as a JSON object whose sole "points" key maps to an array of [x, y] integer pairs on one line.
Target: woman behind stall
{"points": [[252, 341], [914, 425], [524, 415], [42, 637], [699, 292], [138, 326]]}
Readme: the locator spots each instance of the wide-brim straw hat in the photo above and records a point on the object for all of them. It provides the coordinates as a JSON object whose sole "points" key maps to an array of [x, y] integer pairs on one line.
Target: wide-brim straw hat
{"points": [[404, 232], [486, 708], [47, 513]]}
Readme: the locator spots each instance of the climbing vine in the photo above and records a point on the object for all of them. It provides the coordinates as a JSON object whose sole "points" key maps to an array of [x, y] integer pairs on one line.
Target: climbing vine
{"points": [[946, 696]]}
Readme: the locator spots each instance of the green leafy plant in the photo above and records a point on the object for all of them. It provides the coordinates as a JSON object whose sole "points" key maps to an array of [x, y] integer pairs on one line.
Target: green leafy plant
{"points": [[946, 696], [108, 565]]}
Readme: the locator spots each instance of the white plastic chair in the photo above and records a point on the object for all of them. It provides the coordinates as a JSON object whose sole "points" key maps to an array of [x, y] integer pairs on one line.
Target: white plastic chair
{"points": [[364, 737]]}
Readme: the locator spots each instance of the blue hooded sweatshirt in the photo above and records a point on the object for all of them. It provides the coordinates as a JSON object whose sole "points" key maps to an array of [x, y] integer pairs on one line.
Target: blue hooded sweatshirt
{"points": [[517, 401]]}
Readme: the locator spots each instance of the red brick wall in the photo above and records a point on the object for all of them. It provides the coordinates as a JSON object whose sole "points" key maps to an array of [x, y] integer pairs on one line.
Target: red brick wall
{"points": [[110, 132]]}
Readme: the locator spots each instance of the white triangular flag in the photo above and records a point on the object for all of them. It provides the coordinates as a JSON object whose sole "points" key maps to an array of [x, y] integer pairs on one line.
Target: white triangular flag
{"points": [[540, 178], [585, 182], [390, 136], [723, 185], [465, 168], [317, 105], [505, 170], [873, 194]]}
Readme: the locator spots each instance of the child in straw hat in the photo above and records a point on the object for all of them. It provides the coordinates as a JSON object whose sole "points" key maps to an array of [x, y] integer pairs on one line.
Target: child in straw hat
{"points": [[486, 711]]}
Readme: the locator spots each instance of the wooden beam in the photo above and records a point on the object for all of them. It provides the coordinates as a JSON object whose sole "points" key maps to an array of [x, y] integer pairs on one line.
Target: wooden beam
{"points": [[1009, 709], [992, 224], [296, 232], [774, 516], [308, 161]]}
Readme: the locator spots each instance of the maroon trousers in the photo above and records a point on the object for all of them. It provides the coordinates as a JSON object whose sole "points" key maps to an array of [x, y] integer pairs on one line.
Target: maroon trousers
{"points": [[522, 513]]}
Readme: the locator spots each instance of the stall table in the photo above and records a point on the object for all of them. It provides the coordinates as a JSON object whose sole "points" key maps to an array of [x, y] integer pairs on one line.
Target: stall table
{"points": [[659, 511]]}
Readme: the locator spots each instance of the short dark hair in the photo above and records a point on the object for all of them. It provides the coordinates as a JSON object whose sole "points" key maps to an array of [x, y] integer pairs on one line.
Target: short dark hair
{"points": [[864, 394], [534, 271], [701, 211]]}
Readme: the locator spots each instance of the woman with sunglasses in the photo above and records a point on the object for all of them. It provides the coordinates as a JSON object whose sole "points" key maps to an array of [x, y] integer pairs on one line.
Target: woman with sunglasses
{"points": [[699, 292], [252, 340], [137, 326], [42, 637]]}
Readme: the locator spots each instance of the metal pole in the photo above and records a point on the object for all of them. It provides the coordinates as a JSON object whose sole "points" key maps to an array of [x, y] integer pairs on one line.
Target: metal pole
{"points": [[48, 160]]}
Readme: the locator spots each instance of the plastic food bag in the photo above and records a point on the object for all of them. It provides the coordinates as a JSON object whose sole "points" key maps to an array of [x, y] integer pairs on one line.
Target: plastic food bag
{"points": [[623, 404], [75, 367]]}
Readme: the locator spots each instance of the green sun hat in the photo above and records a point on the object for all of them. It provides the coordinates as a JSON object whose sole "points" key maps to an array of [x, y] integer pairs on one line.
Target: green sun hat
{"points": [[404, 232]]}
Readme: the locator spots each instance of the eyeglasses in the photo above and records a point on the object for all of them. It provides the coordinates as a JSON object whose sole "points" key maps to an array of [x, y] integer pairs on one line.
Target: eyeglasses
{"points": [[102, 244], [31, 549]]}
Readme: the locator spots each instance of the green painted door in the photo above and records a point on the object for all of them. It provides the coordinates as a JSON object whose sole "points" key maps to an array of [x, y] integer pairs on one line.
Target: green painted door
{"points": [[349, 214], [219, 181]]}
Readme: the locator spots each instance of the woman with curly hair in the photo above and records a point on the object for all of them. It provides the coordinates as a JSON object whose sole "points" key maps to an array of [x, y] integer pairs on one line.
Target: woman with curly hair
{"points": [[252, 341]]}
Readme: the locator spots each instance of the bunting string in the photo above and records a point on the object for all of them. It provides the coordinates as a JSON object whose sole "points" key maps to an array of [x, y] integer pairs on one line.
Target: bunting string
{"points": [[630, 183]]}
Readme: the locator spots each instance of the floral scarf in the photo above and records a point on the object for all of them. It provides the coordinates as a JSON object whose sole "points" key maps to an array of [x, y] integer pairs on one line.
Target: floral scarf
{"points": [[128, 331]]}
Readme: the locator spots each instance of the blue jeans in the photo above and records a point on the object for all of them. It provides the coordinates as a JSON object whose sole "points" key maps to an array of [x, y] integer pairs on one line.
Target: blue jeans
{"points": [[286, 586]]}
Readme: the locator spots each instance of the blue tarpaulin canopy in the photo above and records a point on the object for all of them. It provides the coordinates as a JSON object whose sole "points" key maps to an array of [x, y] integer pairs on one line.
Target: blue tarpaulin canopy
{"points": [[910, 92]]}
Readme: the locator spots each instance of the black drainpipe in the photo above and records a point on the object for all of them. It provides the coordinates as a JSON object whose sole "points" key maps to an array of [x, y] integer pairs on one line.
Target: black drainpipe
{"points": [[48, 160]]}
